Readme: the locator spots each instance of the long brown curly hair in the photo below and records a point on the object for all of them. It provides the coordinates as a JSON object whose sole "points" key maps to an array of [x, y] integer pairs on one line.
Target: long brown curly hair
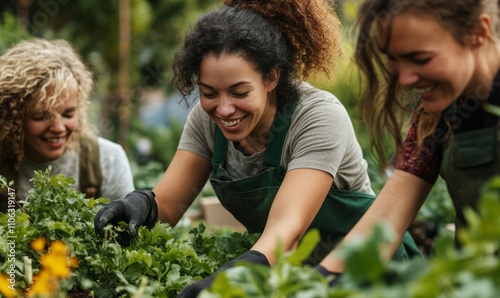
{"points": [[26, 71], [299, 37], [384, 103]]}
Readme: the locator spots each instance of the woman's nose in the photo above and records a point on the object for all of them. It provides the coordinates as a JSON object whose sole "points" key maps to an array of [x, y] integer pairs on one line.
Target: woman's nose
{"points": [[407, 77], [57, 124], [225, 107]]}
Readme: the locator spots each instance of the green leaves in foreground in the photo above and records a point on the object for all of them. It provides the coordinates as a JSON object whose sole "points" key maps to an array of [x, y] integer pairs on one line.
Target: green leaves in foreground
{"points": [[286, 279], [158, 263], [161, 261], [472, 271]]}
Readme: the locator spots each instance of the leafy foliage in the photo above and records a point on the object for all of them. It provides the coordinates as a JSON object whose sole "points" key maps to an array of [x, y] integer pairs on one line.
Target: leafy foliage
{"points": [[158, 263], [472, 271], [163, 260], [11, 31]]}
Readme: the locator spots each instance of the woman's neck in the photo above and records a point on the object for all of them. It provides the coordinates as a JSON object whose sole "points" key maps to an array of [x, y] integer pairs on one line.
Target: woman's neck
{"points": [[487, 67], [257, 140]]}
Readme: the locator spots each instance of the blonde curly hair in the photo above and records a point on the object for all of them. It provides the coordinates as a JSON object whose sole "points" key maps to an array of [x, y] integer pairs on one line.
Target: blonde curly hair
{"points": [[26, 71]]}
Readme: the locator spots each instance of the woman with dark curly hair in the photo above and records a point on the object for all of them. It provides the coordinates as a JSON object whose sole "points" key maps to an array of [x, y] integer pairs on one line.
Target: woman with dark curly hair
{"points": [[44, 93], [281, 155]]}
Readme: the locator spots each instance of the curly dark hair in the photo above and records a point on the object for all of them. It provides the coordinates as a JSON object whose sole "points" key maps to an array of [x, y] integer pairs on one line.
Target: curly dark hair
{"points": [[297, 37]]}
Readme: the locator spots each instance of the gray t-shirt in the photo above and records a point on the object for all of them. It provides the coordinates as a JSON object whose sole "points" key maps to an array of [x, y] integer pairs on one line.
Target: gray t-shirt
{"points": [[116, 172], [320, 137]]}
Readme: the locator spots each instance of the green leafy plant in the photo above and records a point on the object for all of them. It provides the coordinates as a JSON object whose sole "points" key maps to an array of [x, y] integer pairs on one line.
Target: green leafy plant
{"points": [[471, 271], [158, 263], [161, 261]]}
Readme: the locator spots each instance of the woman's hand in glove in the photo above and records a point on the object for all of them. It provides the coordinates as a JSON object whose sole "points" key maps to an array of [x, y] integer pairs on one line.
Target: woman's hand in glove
{"points": [[137, 208], [196, 287], [336, 275]]}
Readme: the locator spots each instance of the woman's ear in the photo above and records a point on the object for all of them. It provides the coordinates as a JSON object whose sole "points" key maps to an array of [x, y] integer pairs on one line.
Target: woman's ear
{"points": [[272, 79], [482, 33]]}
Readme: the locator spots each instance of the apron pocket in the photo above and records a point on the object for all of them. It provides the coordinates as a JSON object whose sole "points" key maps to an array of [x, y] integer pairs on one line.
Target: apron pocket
{"points": [[474, 148]]}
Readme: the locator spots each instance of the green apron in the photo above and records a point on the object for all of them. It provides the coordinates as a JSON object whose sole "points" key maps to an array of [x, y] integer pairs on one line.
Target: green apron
{"points": [[249, 199], [469, 160]]}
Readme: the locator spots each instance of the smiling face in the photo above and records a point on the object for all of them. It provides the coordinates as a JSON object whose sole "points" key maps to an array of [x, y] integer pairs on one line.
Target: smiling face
{"points": [[47, 131], [237, 98], [428, 59]]}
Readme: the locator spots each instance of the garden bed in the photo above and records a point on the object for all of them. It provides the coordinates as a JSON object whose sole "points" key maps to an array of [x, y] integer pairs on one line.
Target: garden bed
{"points": [[161, 261]]}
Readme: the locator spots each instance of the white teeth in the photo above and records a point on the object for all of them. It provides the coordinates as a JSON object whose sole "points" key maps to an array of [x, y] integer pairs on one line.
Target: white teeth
{"points": [[230, 123], [54, 140], [423, 90]]}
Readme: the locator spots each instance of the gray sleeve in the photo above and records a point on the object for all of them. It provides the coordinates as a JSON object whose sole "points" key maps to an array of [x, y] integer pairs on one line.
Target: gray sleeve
{"points": [[319, 135], [117, 178], [322, 137], [198, 133]]}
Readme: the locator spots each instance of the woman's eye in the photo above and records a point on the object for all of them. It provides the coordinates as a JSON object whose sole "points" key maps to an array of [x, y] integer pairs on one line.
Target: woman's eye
{"points": [[421, 61], [240, 95], [69, 115], [209, 95], [41, 117]]}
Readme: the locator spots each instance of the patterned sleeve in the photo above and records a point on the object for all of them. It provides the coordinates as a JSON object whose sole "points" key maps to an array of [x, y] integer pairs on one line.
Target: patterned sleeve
{"points": [[424, 163]]}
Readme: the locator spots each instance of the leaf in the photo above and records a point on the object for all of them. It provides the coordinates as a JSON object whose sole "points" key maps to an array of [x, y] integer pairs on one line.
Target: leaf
{"points": [[306, 246], [363, 257]]}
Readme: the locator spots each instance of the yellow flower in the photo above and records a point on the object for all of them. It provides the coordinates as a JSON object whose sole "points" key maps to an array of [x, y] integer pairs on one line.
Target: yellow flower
{"points": [[38, 244], [56, 263], [6, 288], [58, 247], [44, 285], [73, 262]]}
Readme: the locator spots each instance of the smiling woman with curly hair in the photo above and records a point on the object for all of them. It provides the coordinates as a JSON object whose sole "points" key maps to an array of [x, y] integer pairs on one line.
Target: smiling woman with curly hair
{"points": [[44, 98], [281, 154], [33, 75]]}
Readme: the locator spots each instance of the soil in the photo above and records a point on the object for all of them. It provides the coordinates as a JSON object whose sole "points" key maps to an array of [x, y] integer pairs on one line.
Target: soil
{"points": [[77, 293], [424, 233]]}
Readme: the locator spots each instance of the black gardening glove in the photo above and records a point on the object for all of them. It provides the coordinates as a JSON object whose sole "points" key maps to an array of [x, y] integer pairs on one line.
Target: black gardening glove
{"points": [[196, 287], [137, 208], [327, 274]]}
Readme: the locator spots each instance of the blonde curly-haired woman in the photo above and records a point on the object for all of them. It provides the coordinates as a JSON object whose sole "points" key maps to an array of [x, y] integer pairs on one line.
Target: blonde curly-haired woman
{"points": [[44, 97]]}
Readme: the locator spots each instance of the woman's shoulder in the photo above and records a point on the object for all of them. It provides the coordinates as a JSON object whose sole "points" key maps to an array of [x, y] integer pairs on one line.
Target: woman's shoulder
{"points": [[315, 101], [310, 92], [111, 152], [315, 98], [108, 146]]}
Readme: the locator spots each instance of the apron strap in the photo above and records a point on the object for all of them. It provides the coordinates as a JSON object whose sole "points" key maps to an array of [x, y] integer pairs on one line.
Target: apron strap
{"points": [[90, 167], [220, 147], [277, 135], [494, 99]]}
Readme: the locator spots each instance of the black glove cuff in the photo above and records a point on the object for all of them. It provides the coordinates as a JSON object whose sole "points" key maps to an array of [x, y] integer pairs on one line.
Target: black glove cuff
{"points": [[152, 217], [327, 273], [255, 257], [251, 256]]}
